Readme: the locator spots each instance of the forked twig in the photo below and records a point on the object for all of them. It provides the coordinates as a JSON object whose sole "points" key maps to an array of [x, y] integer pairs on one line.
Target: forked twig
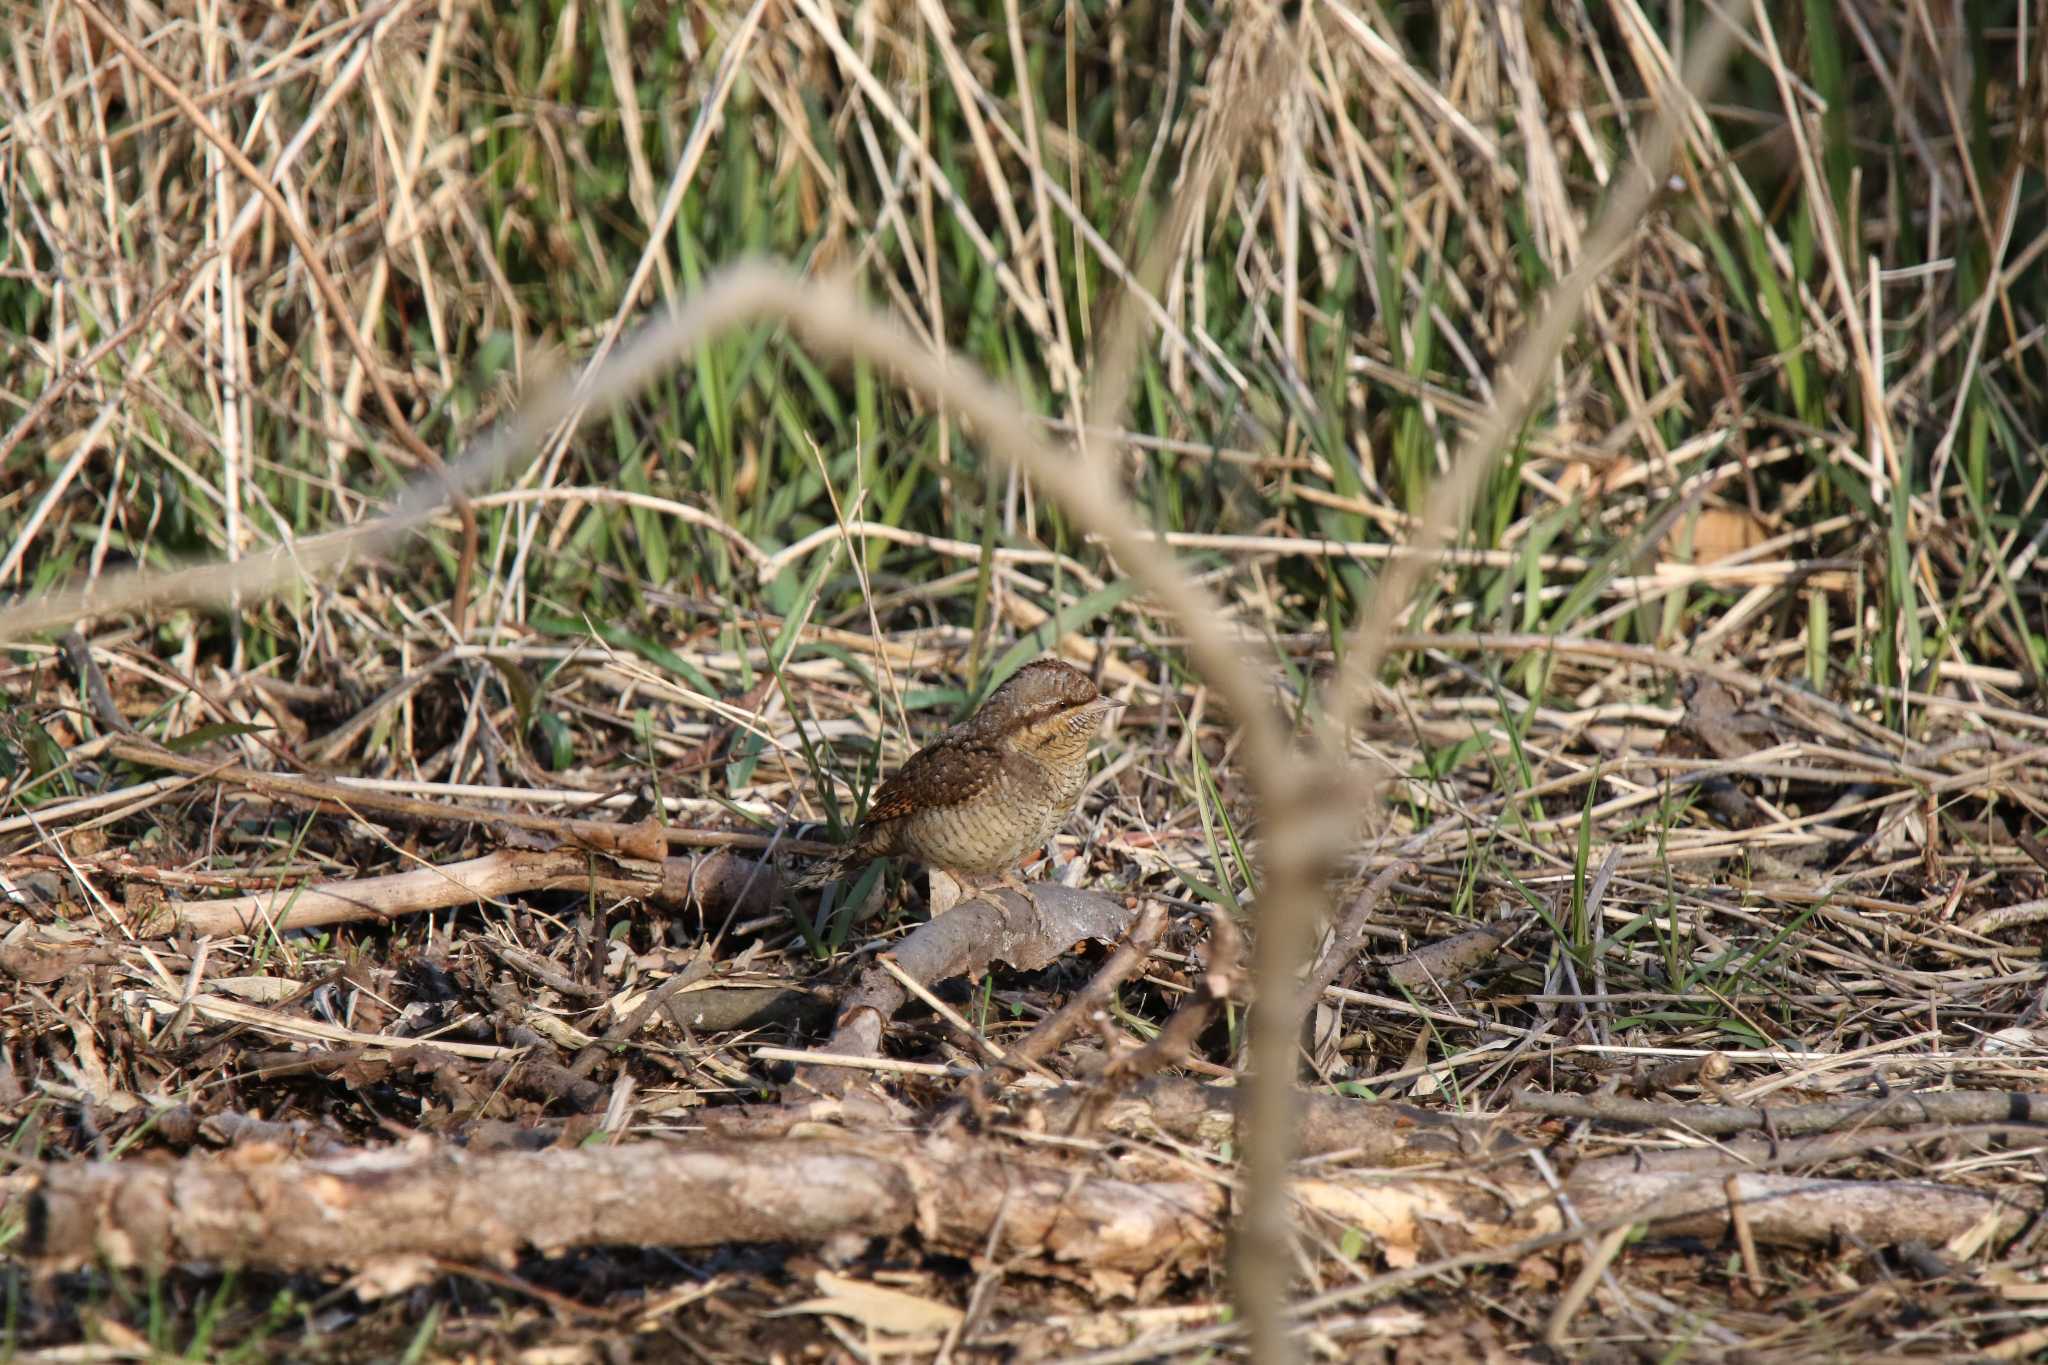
{"points": [[1035, 1046], [1285, 929]]}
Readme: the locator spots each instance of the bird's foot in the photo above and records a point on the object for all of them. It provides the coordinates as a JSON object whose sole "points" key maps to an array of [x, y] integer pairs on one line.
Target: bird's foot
{"points": [[1012, 880], [950, 889]]}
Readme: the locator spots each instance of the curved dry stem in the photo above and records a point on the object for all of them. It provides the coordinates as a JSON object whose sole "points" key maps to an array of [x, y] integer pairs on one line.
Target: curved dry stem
{"points": [[1299, 832], [1297, 844]]}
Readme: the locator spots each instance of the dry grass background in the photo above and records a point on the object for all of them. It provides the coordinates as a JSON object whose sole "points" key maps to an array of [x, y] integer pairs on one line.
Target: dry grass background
{"points": [[1729, 700]]}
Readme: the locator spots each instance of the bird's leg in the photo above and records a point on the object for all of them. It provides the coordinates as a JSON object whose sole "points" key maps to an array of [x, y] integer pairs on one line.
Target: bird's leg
{"points": [[954, 888], [1013, 879], [948, 890]]}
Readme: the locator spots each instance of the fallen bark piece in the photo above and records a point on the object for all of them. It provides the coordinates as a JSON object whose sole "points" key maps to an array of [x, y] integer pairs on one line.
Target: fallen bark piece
{"points": [[1025, 931], [1437, 963], [715, 1008]]}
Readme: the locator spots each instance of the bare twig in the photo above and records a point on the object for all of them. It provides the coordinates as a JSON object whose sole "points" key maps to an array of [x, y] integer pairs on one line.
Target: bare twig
{"points": [[1057, 1027], [1220, 976], [1005, 926], [1349, 935], [708, 882]]}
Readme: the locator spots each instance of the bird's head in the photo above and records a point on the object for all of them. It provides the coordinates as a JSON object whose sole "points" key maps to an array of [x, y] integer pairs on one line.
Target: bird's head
{"points": [[1048, 708]]}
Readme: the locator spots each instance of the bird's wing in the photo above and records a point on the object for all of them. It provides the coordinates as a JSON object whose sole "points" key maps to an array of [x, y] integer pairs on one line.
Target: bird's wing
{"points": [[937, 775]]}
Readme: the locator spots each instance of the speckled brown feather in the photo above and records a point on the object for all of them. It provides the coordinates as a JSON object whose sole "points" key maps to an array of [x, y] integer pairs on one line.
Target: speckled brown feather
{"points": [[952, 769], [978, 796]]}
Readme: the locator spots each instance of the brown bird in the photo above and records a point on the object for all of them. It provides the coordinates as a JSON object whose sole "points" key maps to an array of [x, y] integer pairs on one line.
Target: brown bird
{"points": [[978, 798]]}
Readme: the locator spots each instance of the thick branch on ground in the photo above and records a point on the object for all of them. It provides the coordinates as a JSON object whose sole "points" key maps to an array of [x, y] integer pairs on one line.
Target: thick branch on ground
{"points": [[376, 1208], [1375, 1132], [708, 881], [393, 1211], [1792, 1210], [1026, 932], [1892, 1111]]}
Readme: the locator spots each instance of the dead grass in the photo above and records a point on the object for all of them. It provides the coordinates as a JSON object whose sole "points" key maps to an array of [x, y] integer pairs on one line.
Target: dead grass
{"points": [[1728, 702]]}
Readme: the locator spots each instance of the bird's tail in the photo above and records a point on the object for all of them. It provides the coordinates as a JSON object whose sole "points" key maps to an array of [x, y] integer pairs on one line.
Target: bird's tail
{"points": [[832, 867]]}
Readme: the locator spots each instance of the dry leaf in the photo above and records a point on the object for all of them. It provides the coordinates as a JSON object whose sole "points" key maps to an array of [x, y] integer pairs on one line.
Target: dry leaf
{"points": [[1717, 533], [879, 1309], [263, 990], [388, 1275]]}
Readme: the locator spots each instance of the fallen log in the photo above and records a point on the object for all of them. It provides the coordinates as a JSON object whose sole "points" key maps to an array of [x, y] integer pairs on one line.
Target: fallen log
{"points": [[383, 1211], [393, 1213]]}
